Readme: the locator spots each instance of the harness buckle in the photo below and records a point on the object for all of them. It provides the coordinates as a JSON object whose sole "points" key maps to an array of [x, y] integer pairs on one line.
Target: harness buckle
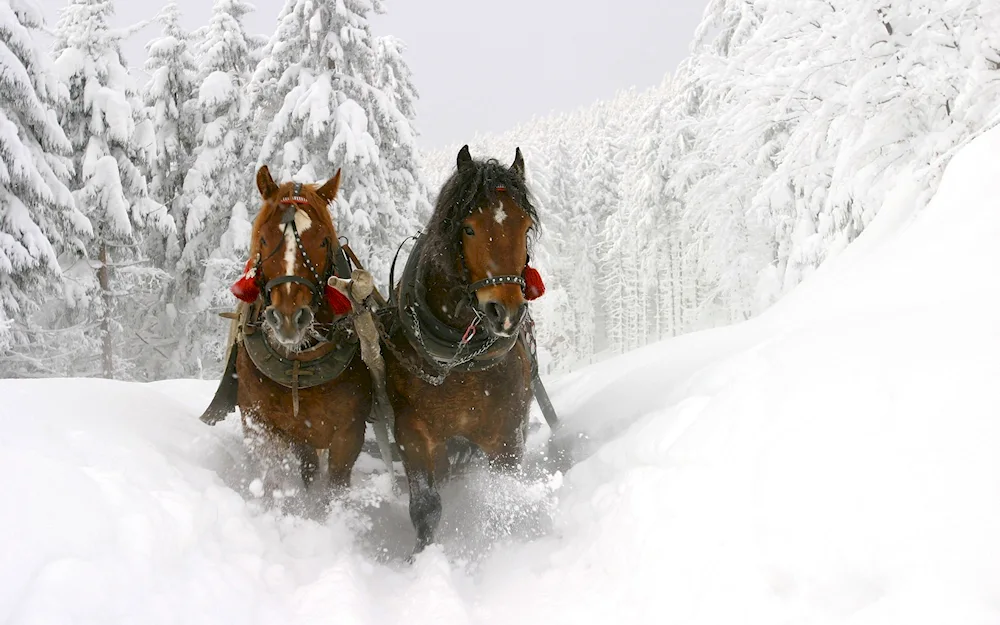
{"points": [[470, 332]]}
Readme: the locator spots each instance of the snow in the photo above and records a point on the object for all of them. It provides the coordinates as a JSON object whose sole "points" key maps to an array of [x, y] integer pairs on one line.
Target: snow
{"points": [[831, 461], [104, 183], [216, 90]]}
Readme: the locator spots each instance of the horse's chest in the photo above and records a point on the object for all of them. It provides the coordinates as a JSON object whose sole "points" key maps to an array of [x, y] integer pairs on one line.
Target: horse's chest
{"points": [[482, 404], [324, 412], [494, 412]]}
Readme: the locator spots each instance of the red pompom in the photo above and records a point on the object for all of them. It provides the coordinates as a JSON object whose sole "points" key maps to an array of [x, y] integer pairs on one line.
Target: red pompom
{"points": [[339, 303], [533, 285], [246, 288]]}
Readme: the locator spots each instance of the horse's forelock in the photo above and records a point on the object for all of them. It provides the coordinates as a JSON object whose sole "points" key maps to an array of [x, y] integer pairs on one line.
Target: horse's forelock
{"points": [[467, 189]]}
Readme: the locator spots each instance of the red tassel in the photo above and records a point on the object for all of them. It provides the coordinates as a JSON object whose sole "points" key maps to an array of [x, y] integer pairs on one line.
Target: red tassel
{"points": [[533, 285], [246, 288], [339, 303]]}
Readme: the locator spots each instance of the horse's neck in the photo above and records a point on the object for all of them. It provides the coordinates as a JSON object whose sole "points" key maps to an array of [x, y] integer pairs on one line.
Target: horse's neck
{"points": [[445, 297]]}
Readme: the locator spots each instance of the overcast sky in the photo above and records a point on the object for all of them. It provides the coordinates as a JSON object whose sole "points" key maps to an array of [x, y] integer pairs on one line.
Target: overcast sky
{"points": [[487, 66]]}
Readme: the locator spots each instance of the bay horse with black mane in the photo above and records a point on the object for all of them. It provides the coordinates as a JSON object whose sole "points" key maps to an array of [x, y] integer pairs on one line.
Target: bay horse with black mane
{"points": [[300, 382], [459, 359]]}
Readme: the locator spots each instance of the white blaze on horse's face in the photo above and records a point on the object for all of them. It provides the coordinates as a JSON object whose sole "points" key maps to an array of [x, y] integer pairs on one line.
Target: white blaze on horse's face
{"points": [[499, 215], [302, 223]]}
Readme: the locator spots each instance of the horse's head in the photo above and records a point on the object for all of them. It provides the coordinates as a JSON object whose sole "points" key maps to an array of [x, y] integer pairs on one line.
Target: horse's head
{"points": [[488, 217], [293, 241]]}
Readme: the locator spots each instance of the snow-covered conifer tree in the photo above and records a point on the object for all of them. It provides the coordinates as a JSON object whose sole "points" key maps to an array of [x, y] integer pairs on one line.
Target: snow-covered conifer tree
{"points": [[323, 104], [170, 95], [567, 339], [38, 216], [810, 111], [600, 175], [579, 242], [111, 143], [215, 188]]}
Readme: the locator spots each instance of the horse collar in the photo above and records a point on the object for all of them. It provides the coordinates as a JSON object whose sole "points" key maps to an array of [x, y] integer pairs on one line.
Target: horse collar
{"points": [[436, 341], [317, 365]]}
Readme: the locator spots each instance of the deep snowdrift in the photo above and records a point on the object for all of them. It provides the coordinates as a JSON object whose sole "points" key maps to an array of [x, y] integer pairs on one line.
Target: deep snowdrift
{"points": [[835, 460]]}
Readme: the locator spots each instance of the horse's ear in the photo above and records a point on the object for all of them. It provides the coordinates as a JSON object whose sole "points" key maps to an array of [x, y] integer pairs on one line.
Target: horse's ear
{"points": [[329, 189], [265, 183], [464, 158], [518, 167]]}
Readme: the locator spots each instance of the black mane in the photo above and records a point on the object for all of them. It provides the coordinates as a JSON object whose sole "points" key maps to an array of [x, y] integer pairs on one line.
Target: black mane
{"points": [[470, 187]]}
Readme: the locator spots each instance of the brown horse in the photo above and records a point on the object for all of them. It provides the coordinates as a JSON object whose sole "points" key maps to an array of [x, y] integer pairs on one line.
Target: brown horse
{"points": [[302, 384], [458, 362]]}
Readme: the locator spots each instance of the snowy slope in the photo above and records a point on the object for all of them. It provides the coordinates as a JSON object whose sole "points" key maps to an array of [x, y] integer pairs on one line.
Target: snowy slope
{"points": [[833, 461]]}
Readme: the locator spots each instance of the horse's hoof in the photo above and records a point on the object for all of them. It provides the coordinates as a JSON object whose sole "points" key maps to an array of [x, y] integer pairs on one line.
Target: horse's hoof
{"points": [[421, 545], [410, 559]]}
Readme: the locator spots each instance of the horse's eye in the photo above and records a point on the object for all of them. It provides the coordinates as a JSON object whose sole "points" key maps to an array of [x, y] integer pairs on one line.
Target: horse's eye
{"points": [[469, 231]]}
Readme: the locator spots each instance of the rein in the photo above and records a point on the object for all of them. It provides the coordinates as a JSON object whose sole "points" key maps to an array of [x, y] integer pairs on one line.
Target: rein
{"points": [[392, 268]]}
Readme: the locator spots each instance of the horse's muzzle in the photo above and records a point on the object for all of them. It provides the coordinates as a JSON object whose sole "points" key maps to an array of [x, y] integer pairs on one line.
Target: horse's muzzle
{"points": [[291, 330], [500, 320]]}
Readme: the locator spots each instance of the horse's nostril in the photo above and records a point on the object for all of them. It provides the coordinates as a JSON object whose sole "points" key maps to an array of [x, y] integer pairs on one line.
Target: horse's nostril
{"points": [[272, 318], [303, 318], [495, 311]]}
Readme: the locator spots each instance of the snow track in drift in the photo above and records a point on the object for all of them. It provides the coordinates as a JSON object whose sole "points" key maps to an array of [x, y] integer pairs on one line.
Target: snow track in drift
{"points": [[832, 461]]}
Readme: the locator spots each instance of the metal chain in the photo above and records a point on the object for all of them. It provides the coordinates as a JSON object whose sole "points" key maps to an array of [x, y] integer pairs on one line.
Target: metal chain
{"points": [[445, 368], [457, 359], [406, 361]]}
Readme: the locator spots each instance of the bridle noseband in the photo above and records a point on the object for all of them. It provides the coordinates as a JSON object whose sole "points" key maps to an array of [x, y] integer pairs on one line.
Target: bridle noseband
{"points": [[494, 281]]}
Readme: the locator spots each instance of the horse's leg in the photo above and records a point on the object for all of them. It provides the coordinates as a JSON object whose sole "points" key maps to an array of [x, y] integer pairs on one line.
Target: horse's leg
{"points": [[508, 460], [505, 453], [271, 450], [308, 462], [344, 450], [419, 458]]}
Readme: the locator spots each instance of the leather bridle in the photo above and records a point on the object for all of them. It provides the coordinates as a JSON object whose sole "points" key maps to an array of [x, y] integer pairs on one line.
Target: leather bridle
{"points": [[337, 262]]}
